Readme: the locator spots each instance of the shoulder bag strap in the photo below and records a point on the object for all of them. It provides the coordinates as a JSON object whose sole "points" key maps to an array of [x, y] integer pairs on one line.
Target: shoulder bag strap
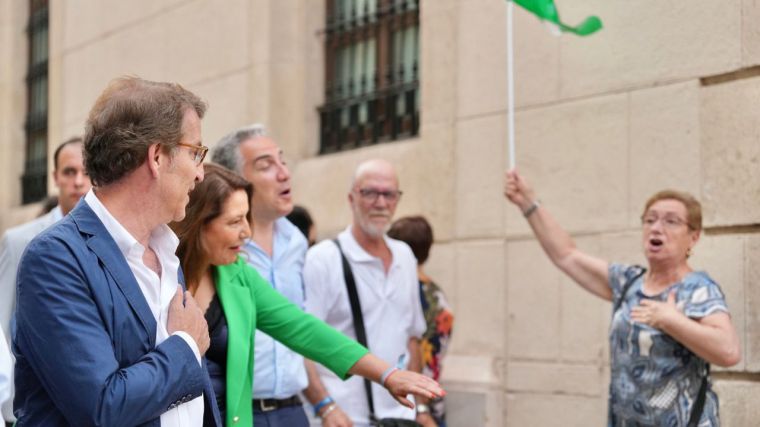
{"points": [[699, 404], [356, 313], [627, 286]]}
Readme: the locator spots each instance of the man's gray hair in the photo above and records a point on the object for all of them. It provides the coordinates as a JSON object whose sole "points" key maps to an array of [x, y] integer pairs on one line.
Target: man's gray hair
{"points": [[227, 151]]}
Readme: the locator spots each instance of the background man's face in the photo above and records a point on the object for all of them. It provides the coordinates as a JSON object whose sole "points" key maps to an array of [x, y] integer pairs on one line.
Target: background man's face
{"points": [[265, 168], [373, 213], [70, 177]]}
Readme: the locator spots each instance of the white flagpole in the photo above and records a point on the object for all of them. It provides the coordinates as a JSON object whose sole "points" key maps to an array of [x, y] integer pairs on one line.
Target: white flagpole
{"points": [[510, 87]]}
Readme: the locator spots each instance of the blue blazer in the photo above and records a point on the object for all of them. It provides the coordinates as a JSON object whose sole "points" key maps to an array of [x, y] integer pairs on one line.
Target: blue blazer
{"points": [[85, 343]]}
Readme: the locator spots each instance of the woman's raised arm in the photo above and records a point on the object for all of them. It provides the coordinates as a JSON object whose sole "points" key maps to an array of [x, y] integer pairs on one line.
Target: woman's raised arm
{"points": [[588, 271]]}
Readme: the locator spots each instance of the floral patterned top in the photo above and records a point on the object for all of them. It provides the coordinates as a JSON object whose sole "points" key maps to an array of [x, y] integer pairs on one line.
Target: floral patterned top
{"points": [[435, 340], [654, 378]]}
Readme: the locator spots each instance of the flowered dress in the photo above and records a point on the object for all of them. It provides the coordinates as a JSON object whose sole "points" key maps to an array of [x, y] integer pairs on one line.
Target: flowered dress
{"points": [[434, 342], [655, 379]]}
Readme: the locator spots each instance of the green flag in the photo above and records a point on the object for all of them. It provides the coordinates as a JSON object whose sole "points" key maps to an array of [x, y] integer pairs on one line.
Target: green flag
{"points": [[545, 10]]}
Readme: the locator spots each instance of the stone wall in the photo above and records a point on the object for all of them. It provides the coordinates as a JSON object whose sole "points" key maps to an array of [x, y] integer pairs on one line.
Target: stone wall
{"points": [[666, 95]]}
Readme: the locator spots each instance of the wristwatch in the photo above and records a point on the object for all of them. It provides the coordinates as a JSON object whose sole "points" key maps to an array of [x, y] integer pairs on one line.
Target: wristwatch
{"points": [[423, 408]]}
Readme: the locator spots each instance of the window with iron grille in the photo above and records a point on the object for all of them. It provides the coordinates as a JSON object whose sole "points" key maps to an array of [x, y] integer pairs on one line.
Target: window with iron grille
{"points": [[34, 180], [372, 85]]}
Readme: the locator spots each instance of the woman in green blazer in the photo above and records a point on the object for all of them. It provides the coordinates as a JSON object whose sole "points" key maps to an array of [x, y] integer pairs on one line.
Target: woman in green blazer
{"points": [[237, 301]]}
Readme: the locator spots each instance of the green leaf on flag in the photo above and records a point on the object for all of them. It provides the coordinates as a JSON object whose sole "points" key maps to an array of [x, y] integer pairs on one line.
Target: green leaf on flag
{"points": [[545, 10]]}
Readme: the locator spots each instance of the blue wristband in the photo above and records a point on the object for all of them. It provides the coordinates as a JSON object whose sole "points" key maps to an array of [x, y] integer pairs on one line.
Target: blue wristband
{"points": [[324, 402]]}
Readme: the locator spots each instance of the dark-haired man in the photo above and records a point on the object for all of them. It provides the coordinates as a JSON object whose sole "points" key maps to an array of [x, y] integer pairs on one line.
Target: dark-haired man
{"points": [[103, 335], [72, 183]]}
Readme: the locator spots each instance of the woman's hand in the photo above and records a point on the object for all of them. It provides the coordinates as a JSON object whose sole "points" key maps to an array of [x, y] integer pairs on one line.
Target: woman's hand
{"points": [[336, 418], [517, 190], [426, 420], [403, 383], [656, 313], [712, 337]]}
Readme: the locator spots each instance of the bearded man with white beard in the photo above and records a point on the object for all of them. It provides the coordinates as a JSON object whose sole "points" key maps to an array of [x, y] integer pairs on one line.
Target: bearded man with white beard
{"points": [[385, 273]]}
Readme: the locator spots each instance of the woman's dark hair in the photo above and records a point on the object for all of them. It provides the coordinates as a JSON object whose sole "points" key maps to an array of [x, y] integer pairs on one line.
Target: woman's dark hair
{"points": [[417, 233], [128, 117], [206, 202]]}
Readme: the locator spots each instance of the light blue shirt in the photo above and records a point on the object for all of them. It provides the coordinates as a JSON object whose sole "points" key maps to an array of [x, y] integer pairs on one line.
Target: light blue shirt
{"points": [[278, 371]]}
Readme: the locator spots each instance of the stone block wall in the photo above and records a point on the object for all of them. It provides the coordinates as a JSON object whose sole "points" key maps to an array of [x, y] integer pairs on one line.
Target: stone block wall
{"points": [[654, 100]]}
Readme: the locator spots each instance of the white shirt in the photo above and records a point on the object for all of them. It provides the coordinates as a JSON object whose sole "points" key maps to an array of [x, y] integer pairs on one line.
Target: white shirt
{"points": [[390, 306], [6, 366], [158, 292]]}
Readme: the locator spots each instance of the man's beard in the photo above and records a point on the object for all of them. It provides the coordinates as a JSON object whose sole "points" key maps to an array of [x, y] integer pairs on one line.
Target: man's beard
{"points": [[372, 229]]}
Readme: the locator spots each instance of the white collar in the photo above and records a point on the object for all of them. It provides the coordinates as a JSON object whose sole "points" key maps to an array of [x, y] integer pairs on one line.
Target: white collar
{"points": [[356, 252], [161, 238]]}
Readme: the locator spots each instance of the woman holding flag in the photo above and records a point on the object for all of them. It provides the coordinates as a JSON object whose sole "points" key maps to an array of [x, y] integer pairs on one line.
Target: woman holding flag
{"points": [[669, 322]]}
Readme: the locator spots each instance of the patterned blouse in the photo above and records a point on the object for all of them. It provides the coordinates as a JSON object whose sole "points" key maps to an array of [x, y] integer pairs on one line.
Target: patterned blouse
{"points": [[654, 378], [434, 342]]}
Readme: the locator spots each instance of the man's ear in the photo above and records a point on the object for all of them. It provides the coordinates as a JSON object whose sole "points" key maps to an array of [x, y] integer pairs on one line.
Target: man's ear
{"points": [[155, 158]]}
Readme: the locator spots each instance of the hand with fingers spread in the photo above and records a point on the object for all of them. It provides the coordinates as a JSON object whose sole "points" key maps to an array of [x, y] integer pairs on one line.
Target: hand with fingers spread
{"points": [[656, 314], [401, 383], [187, 316]]}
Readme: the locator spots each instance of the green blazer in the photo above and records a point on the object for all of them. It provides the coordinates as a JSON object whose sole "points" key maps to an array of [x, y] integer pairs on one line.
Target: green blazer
{"points": [[249, 303]]}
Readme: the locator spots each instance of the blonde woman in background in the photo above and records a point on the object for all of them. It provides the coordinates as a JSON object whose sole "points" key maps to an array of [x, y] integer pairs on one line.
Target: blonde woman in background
{"points": [[669, 322]]}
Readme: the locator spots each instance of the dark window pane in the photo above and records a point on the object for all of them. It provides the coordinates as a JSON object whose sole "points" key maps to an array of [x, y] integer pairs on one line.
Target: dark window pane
{"points": [[371, 76], [39, 41], [34, 179]]}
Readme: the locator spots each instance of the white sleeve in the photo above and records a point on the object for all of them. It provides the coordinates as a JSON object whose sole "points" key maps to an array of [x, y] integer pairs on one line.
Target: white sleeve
{"points": [[418, 326], [316, 281], [8, 267], [6, 366]]}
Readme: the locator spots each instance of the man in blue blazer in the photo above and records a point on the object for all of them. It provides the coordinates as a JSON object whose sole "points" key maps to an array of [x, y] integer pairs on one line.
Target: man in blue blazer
{"points": [[106, 334]]}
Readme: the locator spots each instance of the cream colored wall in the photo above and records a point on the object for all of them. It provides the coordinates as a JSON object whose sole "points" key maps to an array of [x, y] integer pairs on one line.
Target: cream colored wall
{"points": [[602, 122]]}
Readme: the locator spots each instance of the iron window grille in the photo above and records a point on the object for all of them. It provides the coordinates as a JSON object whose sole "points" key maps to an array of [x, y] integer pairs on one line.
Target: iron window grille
{"points": [[372, 78], [34, 179]]}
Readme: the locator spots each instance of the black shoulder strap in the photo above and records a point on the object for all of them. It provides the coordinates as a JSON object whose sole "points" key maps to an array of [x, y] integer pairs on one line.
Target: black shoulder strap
{"points": [[699, 404], [356, 313], [627, 286]]}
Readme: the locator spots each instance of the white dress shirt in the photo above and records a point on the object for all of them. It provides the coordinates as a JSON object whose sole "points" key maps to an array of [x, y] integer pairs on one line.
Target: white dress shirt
{"points": [[391, 309], [158, 292]]}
